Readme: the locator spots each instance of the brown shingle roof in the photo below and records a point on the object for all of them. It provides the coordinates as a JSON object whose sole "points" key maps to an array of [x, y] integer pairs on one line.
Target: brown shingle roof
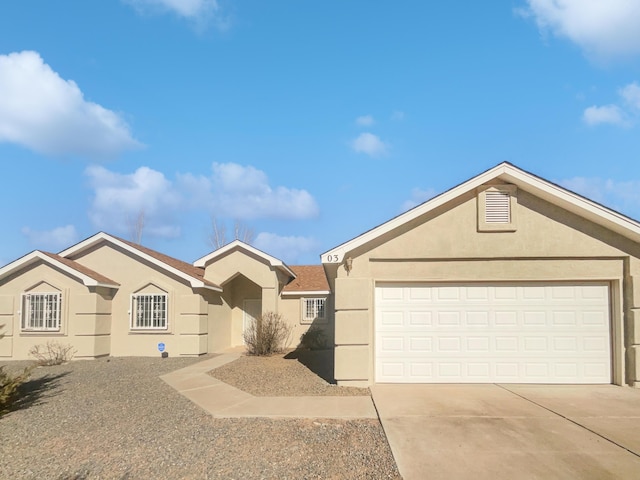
{"points": [[81, 269], [184, 267], [309, 278]]}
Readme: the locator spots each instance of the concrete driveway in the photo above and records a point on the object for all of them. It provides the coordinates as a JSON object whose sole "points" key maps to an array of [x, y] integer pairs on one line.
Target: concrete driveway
{"points": [[512, 431]]}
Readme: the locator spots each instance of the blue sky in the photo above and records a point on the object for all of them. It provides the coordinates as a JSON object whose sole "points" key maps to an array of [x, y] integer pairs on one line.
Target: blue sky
{"points": [[308, 122]]}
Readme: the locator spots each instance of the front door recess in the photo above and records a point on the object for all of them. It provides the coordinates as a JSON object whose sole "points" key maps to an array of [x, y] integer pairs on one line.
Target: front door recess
{"points": [[252, 309]]}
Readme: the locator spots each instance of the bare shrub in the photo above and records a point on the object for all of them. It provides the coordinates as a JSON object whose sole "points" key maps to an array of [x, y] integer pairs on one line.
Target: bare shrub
{"points": [[52, 353], [269, 334], [314, 339]]}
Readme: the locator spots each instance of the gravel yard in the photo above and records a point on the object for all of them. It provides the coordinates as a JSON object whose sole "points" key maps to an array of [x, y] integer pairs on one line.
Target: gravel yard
{"points": [[278, 376], [115, 419]]}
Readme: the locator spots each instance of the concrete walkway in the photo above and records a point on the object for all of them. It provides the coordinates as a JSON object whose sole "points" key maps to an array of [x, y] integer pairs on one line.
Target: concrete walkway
{"points": [[224, 401]]}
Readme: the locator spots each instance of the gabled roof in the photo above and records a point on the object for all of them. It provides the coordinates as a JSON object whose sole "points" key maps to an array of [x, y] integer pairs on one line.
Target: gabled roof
{"points": [[239, 245], [184, 270], [310, 279], [555, 194], [83, 274]]}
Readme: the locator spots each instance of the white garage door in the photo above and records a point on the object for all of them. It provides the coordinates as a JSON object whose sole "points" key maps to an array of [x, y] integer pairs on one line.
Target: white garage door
{"points": [[482, 333]]}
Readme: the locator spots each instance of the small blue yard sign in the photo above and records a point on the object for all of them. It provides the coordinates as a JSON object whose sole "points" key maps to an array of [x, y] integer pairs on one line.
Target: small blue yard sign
{"points": [[161, 347]]}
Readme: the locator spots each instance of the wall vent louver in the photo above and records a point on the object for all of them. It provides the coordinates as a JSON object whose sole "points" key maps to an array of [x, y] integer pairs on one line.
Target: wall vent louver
{"points": [[497, 207]]}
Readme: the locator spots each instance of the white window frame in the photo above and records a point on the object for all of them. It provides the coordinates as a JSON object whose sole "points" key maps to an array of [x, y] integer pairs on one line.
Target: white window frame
{"points": [[148, 300], [41, 312], [318, 305]]}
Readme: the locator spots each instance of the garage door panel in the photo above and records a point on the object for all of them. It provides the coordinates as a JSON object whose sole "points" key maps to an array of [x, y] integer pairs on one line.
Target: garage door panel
{"points": [[477, 319], [595, 344], [595, 293], [420, 318], [421, 369], [492, 370], [506, 318], [418, 293], [534, 318], [507, 371], [446, 294], [506, 345], [407, 345], [420, 344], [594, 319], [389, 318], [447, 318], [478, 344], [505, 293], [534, 293], [478, 370], [563, 293], [596, 370], [556, 334]]}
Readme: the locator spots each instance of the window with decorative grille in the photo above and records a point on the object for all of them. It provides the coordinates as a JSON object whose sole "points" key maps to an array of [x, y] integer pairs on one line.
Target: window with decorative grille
{"points": [[313, 308], [41, 311], [149, 312]]}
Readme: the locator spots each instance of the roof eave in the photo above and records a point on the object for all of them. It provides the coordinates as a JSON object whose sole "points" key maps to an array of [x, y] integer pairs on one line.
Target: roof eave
{"points": [[237, 244], [577, 204], [336, 255], [207, 287], [555, 194], [103, 285], [79, 247], [306, 292], [36, 255]]}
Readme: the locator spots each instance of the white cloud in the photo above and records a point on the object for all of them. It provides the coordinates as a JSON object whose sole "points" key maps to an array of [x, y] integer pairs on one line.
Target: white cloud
{"points": [[365, 121], [603, 28], [243, 192], [631, 95], [369, 144], [288, 249], [611, 114], [623, 114], [418, 196], [200, 12], [45, 113], [55, 239], [119, 198], [232, 191], [623, 196]]}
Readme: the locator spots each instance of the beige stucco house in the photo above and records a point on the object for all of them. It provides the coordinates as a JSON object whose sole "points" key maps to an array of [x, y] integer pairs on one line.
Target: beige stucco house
{"points": [[504, 278], [107, 296]]}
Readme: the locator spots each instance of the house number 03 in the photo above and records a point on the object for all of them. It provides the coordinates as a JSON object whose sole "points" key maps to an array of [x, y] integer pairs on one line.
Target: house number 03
{"points": [[333, 258]]}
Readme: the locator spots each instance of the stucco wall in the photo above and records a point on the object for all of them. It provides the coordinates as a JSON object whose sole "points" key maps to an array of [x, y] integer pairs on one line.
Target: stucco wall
{"points": [[219, 317], [85, 313], [187, 332], [224, 268], [290, 306], [550, 244]]}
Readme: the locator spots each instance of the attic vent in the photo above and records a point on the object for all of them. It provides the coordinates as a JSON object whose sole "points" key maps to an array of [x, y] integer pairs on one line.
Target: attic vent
{"points": [[497, 207]]}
